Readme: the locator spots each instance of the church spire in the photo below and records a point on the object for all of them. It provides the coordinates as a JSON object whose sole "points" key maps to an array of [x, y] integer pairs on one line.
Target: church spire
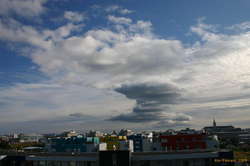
{"points": [[214, 123]]}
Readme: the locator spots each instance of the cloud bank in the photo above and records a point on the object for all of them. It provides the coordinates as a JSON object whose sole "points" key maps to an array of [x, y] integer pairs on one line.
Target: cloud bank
{"points": [[152, 103], [25, 8], [126, 71]]}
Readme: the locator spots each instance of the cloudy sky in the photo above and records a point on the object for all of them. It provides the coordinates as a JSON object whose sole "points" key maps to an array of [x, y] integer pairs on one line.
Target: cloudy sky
{"points": [[112, 64]]}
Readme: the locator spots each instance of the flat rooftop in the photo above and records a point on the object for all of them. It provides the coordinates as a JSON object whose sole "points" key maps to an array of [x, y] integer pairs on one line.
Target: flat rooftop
{"points": [[134, 155]]}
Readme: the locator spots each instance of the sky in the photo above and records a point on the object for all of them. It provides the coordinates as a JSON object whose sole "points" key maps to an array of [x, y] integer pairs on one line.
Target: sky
{"points": [[112, 64]]}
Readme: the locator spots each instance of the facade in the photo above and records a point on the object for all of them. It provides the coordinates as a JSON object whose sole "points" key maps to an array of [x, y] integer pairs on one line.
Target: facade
{"points": [[183, 142], [147, 145], [127, 145], [94, 134], [138, 142], [189, 131], [244, 138], [228, 134], [73, 144], [71, 133], [218, 129], [212, 142], [142, 142], [89, 144], [114, 142], [29, 137], [102, 147]]}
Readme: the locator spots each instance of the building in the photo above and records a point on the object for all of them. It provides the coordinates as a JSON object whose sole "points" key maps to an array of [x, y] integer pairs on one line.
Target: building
{"points": [[73, 144], [94, 134], [138, 142], [29, 137], [142, 142], [71, 133], [120, 158], [244, 138], [183, 142], [212, 142], [125, 132], [228, 134], [113, 142], [189, 131]]}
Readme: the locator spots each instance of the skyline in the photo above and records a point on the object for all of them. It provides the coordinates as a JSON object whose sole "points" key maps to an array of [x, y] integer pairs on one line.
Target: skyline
{"points": [[123, 64]]}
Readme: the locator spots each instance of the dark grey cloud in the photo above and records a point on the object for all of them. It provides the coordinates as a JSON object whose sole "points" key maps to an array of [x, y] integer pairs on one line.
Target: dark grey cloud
{"points": [[78, 115], [153, 102], [150, 93], [171, 124], [137, 117]]}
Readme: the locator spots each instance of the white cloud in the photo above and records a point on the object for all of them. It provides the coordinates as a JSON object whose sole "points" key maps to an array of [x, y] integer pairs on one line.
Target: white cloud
{"points": [[26, 8], [119, 9], [125, 11], [207, 32], [62, 32], [119, 20], [215, 68], [52, 99], [12, 30], [240, 27], [74, 16], [112, 8], [142, 26]]}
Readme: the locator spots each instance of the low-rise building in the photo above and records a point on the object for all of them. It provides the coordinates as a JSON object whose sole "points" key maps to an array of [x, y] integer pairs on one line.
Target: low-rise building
{"points": [[138, 142], [71, 133], [142, 142], [117, 143], [73, 144], [183, 142], [228, 134], [29, 137]]}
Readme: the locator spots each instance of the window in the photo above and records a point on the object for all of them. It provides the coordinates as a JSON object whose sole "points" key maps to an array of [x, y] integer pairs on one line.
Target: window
{"points": [[164, 140]]}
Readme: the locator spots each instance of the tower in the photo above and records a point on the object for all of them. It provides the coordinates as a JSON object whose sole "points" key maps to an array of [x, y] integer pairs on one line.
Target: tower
{"points": [[214, 123]]}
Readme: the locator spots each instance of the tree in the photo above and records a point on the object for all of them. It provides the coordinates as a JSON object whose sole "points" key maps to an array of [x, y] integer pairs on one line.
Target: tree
{"points": [[4, 145]]}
